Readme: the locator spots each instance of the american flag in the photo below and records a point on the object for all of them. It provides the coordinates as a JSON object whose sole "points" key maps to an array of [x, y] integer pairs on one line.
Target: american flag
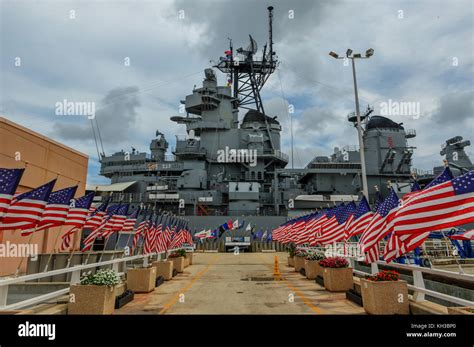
{"points": [[77, 214], [395, 244], [168, 235], [302, 235], [161, 241], [26, 209], [468, 235], [377, 228], [150, 237], [329, 223], [293, 229], [119, 218], [178, 240], [115, 221], [322, 219], [358, 222], [438, 207], [76, 217], [56, 210], [445, 176], [66, 241], [189, 239], [95, 217], [336, 231], [114, 214], [415, 187], [97, 231], [141, 228], [9, 180], [129, 223]]}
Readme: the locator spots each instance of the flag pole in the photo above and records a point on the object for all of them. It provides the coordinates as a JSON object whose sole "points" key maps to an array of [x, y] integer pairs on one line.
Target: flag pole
{"points": [[129, 234], [17, 271], [461, 270], [72, 246], [134, 230], [108, 237], [93, 242], [57, 237]]}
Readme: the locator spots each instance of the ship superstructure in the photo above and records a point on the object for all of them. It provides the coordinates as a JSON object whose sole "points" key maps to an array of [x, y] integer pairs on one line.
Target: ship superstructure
{"points": [[231, 167]]}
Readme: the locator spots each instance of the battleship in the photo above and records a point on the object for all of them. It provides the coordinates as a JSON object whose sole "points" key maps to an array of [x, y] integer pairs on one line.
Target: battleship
{"points": [[220, 221], [226, 166]]}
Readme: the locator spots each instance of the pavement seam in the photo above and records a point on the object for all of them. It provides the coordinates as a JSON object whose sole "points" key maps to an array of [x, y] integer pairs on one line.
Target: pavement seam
{"points": [[170, 303], [290, 285]]}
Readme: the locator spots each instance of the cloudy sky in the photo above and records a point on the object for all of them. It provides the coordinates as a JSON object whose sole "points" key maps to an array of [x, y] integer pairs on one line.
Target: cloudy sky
{"points": [[137, 59]]}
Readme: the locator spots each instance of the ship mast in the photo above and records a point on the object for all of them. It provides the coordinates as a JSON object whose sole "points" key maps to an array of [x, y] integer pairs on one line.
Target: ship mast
{"points": [[249, 75]]}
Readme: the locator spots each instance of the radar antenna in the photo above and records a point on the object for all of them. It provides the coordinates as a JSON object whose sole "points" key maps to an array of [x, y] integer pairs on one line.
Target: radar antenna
{"points": [[248, 74]]}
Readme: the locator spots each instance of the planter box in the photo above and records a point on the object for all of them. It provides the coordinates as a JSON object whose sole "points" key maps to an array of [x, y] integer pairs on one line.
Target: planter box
{"points": [[164, 268], [291, 261], [312, 269], [299, 263], [159, 281], [320, 280], [461, 310], [141, 280], [385, 297], [355, 297], [89, 299], [338, 280], [124, 298], [186, 262], [178, 263], [189, 256]]}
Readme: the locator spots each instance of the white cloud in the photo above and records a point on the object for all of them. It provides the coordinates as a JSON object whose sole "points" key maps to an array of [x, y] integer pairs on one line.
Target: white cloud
{"points": [[83, 59]]}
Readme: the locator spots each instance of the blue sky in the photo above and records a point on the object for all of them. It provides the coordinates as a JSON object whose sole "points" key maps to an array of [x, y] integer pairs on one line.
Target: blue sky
{"points": [[82, 59]]}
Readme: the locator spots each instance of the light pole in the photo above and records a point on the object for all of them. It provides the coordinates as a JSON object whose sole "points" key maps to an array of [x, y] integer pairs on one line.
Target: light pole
{"points": [[352, 57]]}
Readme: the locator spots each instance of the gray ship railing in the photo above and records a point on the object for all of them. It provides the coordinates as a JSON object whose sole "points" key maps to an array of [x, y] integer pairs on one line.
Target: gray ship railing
{"points": [[75, 277], [418, 287]]}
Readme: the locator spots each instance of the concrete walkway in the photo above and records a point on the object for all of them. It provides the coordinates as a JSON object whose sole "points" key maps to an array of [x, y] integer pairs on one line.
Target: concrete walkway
{"points": [[224, 283]]}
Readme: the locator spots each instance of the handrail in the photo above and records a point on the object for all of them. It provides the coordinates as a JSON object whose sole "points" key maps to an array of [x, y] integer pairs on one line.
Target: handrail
{"points": [[417, 273], [76, 270]]}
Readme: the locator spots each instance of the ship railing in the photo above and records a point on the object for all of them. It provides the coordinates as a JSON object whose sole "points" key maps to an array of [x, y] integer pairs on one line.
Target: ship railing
{"points": [[418, 287], [126, 197], [75, 271], [277, 153]]}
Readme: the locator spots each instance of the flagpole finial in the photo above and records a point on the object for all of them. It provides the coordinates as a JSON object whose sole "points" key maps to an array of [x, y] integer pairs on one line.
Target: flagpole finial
{"points": [[446, 163]]}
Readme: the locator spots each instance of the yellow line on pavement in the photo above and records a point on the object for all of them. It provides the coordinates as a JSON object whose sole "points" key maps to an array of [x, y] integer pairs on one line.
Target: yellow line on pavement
{"points": [[170, 303], [289, 284]]}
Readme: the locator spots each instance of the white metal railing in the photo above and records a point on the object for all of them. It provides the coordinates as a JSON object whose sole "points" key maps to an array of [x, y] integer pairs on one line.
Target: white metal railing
{"points": [[75, 278], [418, 286]]}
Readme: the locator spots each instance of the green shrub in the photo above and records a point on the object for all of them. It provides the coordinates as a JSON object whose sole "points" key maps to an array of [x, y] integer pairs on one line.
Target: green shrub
{"points": [[291, 250]]}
